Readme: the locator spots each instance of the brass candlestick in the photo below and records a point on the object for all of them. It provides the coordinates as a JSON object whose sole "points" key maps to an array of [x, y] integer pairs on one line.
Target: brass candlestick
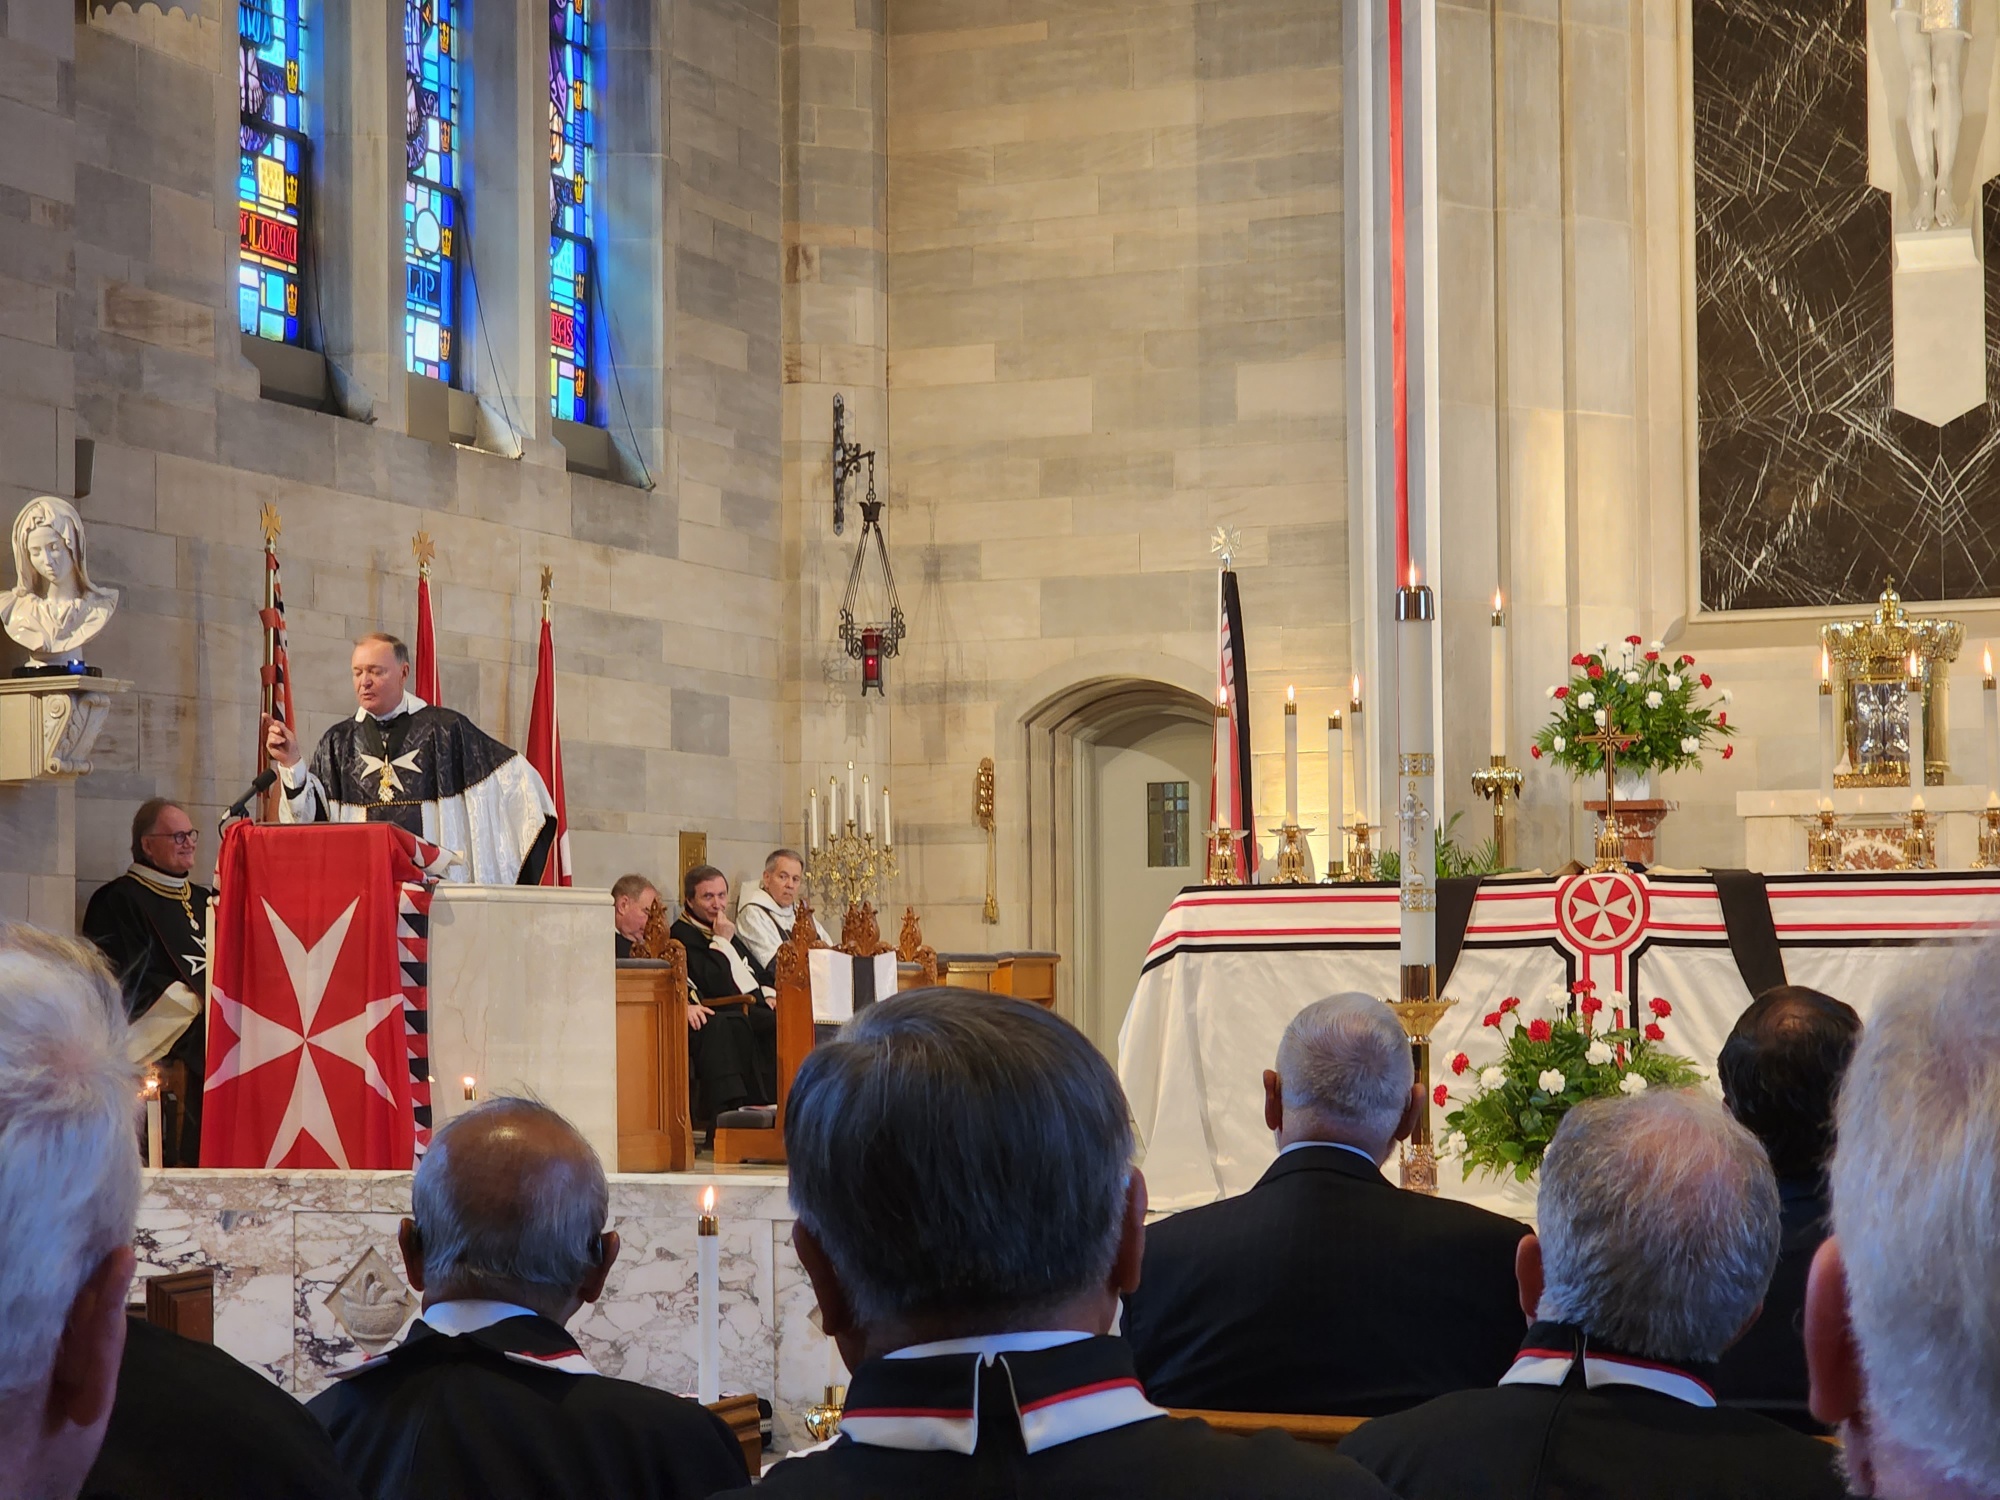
{"points": [[1361, 860], [822, 1418], [1919, 842], [1495, 781], [1420, 1010], [1292, 855], [1988, 857], [1222, 855], [1824, 843]]}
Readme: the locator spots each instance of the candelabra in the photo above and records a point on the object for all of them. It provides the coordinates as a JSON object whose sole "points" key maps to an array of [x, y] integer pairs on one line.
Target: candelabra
{"points": [[849, 868], [1824, 842], [1495, 782], [1222, 855], [1292, 855]]}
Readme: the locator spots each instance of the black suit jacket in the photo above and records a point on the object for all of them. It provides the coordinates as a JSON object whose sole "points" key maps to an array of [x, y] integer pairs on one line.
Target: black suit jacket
{"points": [[1566, 1442], [1324, 1289], [1765, 1371], [191, 1423], [1160, 1458], [709, 971], [440, 1418]]}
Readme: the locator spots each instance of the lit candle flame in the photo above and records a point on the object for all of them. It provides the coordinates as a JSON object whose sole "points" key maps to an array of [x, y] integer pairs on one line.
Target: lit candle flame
{"points": [[1989, 661], [1355, 696], [1290, 695], [1413, 572], [1496, 601], [1913, 665], [708, 1199], [1825, 665], [469, 1084]]}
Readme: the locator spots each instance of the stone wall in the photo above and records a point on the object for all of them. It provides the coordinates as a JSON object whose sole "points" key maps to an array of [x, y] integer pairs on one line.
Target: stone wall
{"points": [[668, 598]]}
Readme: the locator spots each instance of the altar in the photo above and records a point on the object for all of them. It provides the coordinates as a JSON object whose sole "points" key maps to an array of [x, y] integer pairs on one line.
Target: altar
{"points": [[1230, 966]]}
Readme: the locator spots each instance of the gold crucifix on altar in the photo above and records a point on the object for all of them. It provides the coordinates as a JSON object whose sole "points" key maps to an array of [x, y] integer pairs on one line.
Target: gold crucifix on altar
{"points": [[1610, 842]]}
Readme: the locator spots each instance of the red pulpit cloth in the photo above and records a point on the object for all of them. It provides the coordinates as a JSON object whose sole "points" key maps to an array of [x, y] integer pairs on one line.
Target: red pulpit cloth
{"points": [[318, 955]]}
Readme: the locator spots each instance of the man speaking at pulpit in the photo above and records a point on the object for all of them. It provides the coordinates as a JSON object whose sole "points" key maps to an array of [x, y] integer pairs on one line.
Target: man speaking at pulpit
{"points": [[429, 770]]}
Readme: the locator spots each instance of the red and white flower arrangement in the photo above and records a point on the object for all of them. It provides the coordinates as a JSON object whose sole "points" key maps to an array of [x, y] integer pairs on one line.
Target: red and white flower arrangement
{"points": [[1636, 689]]}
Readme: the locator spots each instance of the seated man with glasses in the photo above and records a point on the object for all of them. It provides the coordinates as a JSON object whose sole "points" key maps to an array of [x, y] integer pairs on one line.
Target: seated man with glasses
{"points": [[152, 923]]}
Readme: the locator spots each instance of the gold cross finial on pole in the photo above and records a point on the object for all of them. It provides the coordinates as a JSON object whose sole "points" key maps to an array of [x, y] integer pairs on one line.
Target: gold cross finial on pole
{"points": [[548, 587], [425, 549], [1224, 543], [268, 522], [1610, 741]]}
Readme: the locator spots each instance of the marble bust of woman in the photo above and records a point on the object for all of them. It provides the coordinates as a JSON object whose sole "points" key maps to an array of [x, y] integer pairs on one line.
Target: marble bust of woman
{"points": [[53, 608]]}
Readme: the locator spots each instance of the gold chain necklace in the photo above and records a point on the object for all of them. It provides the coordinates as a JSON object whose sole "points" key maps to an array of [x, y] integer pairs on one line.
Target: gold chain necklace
{"points": [[178, 893]]}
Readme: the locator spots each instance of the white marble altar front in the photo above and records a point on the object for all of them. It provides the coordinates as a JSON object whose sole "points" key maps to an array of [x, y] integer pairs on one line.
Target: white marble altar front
{"points": [[286, 1244], [522, 1001]]}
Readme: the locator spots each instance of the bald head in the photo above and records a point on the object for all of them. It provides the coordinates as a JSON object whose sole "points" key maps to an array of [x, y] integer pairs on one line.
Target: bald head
{"points": [[510, 1205]]}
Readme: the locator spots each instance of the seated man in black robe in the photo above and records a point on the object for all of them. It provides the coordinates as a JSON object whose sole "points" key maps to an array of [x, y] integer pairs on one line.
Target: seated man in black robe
{"points": [[632, 898], [1325, 1288], [734, 1048], [488, 1394], [152, 923], [1779, 1071], [1658, 1230], [968, 1214]]}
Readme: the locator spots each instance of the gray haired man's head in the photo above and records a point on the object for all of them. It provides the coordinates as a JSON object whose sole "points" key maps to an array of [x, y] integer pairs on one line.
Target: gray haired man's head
{"points": [[1344, 1074], [1658, 1225], [962, 1162], [69, 1193], [510, 1204], [1903, 1306]]}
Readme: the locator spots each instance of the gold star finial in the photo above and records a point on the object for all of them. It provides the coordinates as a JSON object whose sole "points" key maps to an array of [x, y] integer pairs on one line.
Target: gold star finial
{"points": [[425, 549], [267, 520], [548, 582], [1224, 543]]}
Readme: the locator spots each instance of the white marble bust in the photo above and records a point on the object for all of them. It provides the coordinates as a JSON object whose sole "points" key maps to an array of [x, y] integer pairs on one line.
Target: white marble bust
{"points": [[53, 608]]}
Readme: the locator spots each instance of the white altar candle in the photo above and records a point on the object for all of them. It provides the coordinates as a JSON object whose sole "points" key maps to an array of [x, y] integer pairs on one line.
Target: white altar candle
{"points": [[1291, 756], [1913, 700], [1991, 704], [832, 807], [708, 1288], [888, 837], [1359, 731], [812, 820], [1497, 716], [1826, 755], [1336, 791], [850, 792], [867, 808], [155, 1133], [1416, 747], [1223, 800]]}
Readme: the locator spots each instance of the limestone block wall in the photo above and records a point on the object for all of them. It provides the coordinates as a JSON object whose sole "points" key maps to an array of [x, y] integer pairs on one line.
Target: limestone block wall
{"points": [[668, 599], [1114, 324]]}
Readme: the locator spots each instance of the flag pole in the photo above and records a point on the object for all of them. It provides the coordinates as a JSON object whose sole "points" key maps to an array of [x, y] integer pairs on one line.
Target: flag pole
{"points": [[267, 678]]}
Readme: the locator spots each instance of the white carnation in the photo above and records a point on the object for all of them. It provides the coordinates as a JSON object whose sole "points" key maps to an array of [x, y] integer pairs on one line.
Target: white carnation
{"points": [[1690, 744], [1673, 682], [1586, 700], [1491, 1078], [1631, 1083], [1551, 692], [1559, 744], [1454, 1144], [1631, 677], [1551, 1081], [1599, 717], [1654, 646], [1604, 648], [1654, 700], [1597, 1054], [1726, 696]]}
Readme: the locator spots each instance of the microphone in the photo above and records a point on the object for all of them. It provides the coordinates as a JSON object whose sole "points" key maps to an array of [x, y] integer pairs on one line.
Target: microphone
{"points": [[240, 808]]}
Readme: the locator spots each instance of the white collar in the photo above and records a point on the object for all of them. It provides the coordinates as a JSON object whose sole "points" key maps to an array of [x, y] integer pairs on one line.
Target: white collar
{"points": [[758, 896], [1332, 1145], [147, 875], [410, 704], [470, 1314], [989, 1344], [1552, 1367]]}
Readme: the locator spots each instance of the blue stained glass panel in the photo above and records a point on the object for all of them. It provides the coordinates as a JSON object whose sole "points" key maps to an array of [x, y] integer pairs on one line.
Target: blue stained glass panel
{"points": [[432, 210], [572, 205], [271, 166]]}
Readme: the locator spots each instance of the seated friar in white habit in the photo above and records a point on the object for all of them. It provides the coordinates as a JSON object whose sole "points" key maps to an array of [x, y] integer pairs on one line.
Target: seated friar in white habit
{"points": [[428, 770], [766, 915]]}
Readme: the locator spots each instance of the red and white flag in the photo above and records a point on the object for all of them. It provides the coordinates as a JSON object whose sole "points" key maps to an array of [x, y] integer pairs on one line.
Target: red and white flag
{"points": [[276, 673], [427, 656], [544, 753], [309, 1051], [1232, 675]]}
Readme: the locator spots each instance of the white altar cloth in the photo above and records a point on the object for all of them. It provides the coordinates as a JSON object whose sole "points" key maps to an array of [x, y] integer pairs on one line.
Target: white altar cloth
{"points": [[1230, 967]]}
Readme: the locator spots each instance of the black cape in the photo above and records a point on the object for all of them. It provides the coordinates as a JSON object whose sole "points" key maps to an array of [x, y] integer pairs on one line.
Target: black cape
{"points": [[1159, 1458], [190, 1423], [735, 1053], [153, 941], [481, 1415], [1618, 1442], [1324, 1289]]}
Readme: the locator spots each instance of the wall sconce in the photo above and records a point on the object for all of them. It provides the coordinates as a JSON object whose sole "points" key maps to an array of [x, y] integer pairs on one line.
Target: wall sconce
{"points": [[847, 461]]}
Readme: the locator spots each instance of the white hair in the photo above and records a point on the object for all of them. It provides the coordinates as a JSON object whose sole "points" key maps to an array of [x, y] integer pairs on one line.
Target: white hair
{"points": [[1345, 1064], [1658, 1224], [1916, 1206], [69, 1150]]}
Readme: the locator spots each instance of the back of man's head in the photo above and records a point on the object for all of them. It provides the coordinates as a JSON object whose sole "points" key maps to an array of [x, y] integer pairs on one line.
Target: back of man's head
{"points": [[629, 887], [1658, 1225], [69, 1181], [510, 1203], [1780, 1069], [957, 1155], [1916, 1211], [1345, 1069]]}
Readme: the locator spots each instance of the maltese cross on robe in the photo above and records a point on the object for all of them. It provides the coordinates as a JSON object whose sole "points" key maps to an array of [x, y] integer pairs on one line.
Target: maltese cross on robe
{"points": [[391, 783]]}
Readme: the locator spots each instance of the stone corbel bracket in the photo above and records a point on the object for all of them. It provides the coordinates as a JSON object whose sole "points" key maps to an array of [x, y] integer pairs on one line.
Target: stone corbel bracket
{"points": [[49, 725]]}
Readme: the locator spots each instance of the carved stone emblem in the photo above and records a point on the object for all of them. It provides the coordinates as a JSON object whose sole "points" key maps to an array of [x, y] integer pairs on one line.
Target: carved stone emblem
{"points": [[371, 1303]]}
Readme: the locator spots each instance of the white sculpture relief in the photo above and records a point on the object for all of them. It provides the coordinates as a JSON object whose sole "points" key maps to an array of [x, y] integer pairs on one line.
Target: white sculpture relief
{"points": [[1934, 38], [53, 608]]}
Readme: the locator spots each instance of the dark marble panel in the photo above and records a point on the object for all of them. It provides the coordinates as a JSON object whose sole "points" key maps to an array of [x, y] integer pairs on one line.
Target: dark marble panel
{"points": [[1812, 489]]}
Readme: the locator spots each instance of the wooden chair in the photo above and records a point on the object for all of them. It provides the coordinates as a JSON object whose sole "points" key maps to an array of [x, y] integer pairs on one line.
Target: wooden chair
{"points": [[1031, 975], [183, 1302], [747, 1423], [736, 1143], [655, 1128], [1325, 1432], [917, 961]]}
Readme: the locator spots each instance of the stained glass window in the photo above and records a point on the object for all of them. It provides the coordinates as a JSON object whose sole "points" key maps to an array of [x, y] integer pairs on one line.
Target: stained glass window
{"points": [[572, 195], [271, 166], [432, 207]]}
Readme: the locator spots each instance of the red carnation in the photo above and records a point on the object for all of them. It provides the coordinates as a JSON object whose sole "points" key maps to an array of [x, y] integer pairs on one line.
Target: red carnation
{"points": [[1727, 751], [1707, 681], [1492, 1020], [1538, 1031], [1536, 751], [1582, 986], [1590, 1005], [1562, 692], [1660, 1007], [1579, 660], [1512, 1002], [1460, 1063], [1652, 656], [1439, 1095], [1595, 671], [1722, 719], [1634, 640], [1686, 660], [1653, 1032]]}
